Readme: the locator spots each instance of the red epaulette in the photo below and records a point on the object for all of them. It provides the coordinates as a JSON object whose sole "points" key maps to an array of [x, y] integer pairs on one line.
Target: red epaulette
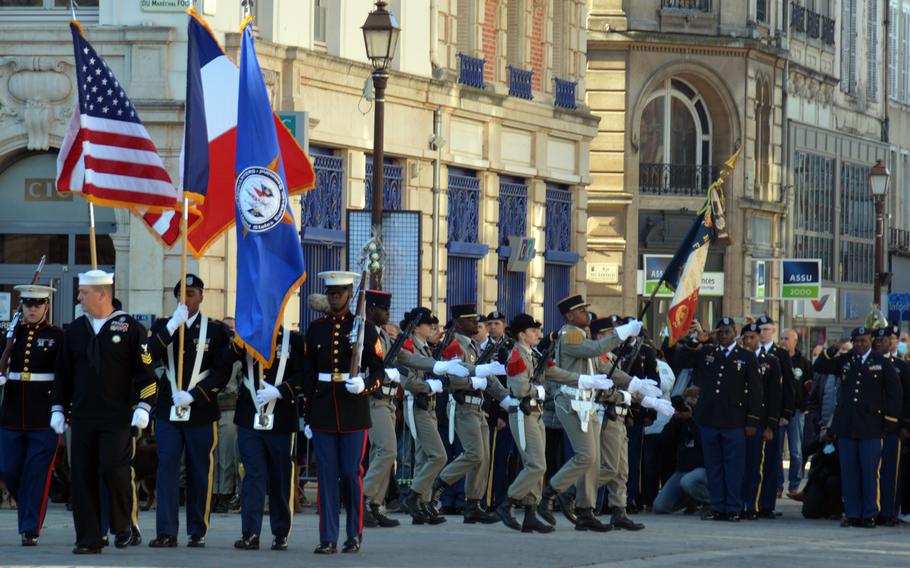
{"points": [[452, 351], [516, 364], [408, 345]]}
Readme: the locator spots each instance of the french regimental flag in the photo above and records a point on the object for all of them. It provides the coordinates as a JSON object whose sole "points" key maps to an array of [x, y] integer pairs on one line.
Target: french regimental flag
{"points": [[210, 144], [270, 264], [683, 274]]}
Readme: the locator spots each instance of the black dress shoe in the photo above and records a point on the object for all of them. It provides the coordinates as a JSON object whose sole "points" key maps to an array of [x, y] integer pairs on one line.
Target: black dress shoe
{"points": [[163, 541], [280, 543], [326, 548], [732, 518], [750, 516], [196, 542], [351, 545], [247, 542], [29, 539], [122, 540], [868, 523], [713, 516], [104, 541], [135, 536], [80, 549]]}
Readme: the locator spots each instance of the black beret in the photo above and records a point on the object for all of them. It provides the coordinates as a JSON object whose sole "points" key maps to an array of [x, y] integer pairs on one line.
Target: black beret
{"points": [[192, 281]]}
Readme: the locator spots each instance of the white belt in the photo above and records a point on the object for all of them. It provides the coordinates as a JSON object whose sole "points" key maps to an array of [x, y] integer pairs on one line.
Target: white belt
{"points": [[390, 391], [572, 391], [478, 400], [30, 377], [334, 377], [532, 402]]}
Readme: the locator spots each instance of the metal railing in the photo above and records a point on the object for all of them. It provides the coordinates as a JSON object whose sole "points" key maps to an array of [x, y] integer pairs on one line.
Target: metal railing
{"points": [[675, 179], [827, 30], [470, 71], [797, 17], [696, 5], [565, 93], [520, 83], [900, 240], [813, 27]]}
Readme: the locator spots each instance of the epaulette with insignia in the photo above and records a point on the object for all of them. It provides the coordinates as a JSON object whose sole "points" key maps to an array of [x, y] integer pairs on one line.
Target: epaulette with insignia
{"points": [[408, 345], [378, 347], [575, 337], [452, 351], [516, 364]]}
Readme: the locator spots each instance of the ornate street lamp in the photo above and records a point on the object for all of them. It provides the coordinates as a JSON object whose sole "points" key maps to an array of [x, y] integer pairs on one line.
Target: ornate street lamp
{"points": [[380, 35], [879, 180]]}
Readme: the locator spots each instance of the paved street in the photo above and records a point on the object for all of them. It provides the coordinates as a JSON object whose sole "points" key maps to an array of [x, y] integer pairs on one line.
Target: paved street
{"points": [[668, 541]]}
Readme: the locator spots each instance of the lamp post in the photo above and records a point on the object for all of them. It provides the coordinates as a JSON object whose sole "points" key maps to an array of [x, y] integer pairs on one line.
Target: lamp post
{"points": [[879, 178], [380, 35]]}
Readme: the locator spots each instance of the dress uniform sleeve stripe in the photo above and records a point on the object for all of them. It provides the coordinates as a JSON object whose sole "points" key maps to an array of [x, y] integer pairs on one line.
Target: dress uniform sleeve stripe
{"points": [[890, 419], [148, 391]]}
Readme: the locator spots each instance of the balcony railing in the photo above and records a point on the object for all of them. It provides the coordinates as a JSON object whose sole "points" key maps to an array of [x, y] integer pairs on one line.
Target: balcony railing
{"points": [[813, 28], [827, 30], [520, 83], [797, 17], [675, 179], [900, 240], [694, 5], [565, 93], [470, 71], [761, 11]]}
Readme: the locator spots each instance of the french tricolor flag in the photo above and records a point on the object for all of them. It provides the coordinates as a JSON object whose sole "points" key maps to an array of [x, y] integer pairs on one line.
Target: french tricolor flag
{"points": [[210, 144], [683, 274]]}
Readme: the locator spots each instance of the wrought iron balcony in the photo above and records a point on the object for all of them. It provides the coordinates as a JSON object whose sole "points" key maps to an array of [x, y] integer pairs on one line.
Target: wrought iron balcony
{"points": [[520, 83], [470, 71], [827, 30], [675, 179], [694, 5], [813, 28], [900, 240], [797, 17], [565, 93], [761, 11]]}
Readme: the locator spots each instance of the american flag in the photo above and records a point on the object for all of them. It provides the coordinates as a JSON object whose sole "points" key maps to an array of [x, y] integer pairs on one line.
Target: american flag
{"points": [[107, 154]]}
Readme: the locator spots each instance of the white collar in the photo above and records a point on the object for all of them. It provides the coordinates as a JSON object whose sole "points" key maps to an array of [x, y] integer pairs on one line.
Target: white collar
{"points": [[192, 319], [863, 358], [758, 351], [767, 346], [97, 324]]}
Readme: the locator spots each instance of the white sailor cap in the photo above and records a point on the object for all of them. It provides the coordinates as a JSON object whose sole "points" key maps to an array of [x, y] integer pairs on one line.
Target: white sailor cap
{"points": [[338, 278], [35, 291], [96, 278]]}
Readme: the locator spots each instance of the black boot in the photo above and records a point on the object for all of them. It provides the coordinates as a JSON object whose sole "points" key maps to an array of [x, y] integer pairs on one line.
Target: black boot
{"points": [[382, 520], [545, 507], [439, 487], [504, 510], [532, 524], [474, 513], [369, 518], [566, 502], [586, 521], [411, 504], [432, 515], [619, 520]]}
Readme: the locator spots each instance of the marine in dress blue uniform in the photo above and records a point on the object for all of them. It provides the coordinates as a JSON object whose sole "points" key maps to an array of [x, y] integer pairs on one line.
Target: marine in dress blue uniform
{"points": [[337, 409], [186, 425], [28, 445], [728, 411], [267, 424], [868, 406], [761, 471]]}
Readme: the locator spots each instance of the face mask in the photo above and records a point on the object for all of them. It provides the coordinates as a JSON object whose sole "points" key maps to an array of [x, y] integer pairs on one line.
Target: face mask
{"points": [[902, 349], [828, 449]]}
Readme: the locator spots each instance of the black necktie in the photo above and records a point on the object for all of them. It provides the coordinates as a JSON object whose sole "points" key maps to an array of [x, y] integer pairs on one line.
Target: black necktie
{"points": [[762, 351]]}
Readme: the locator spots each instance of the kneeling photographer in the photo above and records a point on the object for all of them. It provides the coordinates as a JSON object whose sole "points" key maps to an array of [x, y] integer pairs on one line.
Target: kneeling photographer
{"points": [[687, 488]]}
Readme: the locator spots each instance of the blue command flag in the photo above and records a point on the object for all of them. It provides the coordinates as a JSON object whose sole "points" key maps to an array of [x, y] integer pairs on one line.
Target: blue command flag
{"points": [[270, 264]]}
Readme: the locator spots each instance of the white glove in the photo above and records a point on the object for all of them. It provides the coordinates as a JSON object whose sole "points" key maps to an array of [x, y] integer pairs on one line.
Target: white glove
{"points": [[58, 422], [662, 406], [644, 387], [495, 368], [626, 398], [2, 379], [140, 418], [594, 382], [355, 385], [508, 402], [181, 314], [631, 329], [541, 392], [453, 367], [479, 383], [393, 375], [267, 394], [182, 398], [307, 432], [435, 385]]}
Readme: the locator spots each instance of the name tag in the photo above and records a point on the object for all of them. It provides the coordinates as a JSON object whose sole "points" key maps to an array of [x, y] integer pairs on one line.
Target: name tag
{"points": [[875, 367]]}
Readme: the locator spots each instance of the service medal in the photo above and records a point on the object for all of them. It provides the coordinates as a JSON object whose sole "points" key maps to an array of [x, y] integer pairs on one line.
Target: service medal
{"points": [[116, 339]]}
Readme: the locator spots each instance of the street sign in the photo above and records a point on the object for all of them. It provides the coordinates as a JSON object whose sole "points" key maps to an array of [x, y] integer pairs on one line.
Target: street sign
{"points": [[165, 5], [603, 272], [296, 123], [802, 279], [522, 253], [712, 283]]}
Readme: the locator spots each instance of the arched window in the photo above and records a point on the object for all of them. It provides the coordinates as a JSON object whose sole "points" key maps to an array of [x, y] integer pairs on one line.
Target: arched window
{"points": [[675, 149]]}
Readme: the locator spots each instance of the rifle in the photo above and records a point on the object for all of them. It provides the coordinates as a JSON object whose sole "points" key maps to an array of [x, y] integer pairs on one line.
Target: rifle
{"points": [[540, 369], [390, 357], [422, 401], [369, 264], [11, 332], [485, 357]]}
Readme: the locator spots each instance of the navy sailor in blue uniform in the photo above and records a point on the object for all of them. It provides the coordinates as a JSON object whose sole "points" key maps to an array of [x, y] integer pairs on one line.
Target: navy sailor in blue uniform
{"points": [[868, 408], [337, 410], [27, 444]]}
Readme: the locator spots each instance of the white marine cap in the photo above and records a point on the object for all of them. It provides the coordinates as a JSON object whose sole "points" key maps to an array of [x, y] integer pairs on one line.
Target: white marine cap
{"points": [[34, 291], [338, 278], [96, 278]]}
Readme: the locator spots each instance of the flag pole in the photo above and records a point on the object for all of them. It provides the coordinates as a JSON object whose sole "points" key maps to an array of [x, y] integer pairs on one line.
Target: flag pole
{"points": [[182, 337], [91, 235]]}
